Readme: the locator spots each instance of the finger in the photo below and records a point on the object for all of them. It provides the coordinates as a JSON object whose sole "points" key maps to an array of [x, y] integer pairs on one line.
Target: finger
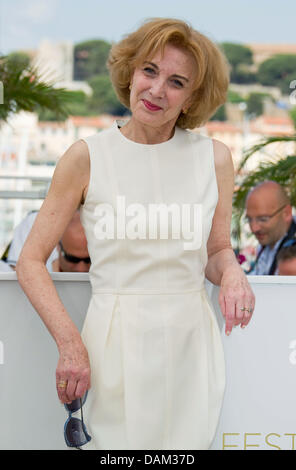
{"points": [[70, 390], [250, 305], [72, 375], [221, 301], [249, 309], [229, 315], [61, 387], [239, 311], [83, 384], [247, 315], [61, 383], [82, 387]]}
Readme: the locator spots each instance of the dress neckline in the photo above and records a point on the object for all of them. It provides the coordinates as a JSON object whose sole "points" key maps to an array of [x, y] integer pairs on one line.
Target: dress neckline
{"points": [[119, 123]]}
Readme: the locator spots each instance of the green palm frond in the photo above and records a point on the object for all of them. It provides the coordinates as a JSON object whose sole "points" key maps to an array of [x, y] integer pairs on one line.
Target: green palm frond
{"points": [[24, 91], [263, 143]]}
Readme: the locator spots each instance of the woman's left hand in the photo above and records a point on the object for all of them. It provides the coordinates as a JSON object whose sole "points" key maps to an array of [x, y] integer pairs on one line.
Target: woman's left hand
{"points": [[236, 298]]}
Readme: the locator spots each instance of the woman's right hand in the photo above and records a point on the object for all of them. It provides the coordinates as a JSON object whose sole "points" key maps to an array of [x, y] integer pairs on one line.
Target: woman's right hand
{"points": [[72, 373]]}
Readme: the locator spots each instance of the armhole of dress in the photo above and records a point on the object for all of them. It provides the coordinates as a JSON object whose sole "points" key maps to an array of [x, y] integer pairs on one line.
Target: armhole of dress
{"points": [[85, 139]]}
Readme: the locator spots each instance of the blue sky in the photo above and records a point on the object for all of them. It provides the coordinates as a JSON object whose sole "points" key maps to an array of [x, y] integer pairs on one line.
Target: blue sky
{"points": [[24, 23]]}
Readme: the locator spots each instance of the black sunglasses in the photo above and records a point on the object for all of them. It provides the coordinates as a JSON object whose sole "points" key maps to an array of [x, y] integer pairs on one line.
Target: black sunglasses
{"points": [[71, 258], [75, 432]]}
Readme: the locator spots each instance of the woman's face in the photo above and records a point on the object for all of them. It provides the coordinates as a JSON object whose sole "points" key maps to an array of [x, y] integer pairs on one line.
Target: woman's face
{"points": [[162, 87]]}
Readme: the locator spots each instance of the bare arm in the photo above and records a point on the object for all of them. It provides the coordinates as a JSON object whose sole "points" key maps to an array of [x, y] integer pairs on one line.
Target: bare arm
{"points": [[64, 197], [220, 252], [222, 267]]}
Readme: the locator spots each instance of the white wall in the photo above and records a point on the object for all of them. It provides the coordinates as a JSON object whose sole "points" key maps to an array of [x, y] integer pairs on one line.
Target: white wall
{"points": [[259, 411], [259, 403]]}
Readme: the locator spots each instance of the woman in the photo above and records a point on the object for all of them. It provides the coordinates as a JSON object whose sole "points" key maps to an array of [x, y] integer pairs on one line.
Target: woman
{"points": [[150, 352]]}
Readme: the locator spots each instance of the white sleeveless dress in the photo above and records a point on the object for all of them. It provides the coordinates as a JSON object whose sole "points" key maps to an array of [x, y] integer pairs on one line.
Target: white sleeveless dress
{"points": [[155, 350]]}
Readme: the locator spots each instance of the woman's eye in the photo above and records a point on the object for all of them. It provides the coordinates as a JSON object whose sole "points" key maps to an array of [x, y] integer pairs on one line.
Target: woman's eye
{"points": [[177, 83], [149, 70]]}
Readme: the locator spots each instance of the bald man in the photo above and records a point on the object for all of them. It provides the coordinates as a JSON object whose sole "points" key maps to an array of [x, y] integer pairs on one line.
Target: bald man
{"points": [[72, 248], [269, 213], [71, 254]]}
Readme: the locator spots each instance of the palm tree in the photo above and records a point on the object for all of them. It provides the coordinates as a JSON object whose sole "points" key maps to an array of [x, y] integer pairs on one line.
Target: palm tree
{"points": [[24, 91], [282, 171]]}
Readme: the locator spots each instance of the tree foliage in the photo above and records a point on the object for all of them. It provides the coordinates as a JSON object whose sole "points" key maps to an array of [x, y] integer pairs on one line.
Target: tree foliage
{"points": [[240, 57], [19, 57], [293, 115], [24, 91], [220, 114], [78, 106], [234, 97], [237, 53], [90, 59], [104, 99], [278, 71], [255, 103]]}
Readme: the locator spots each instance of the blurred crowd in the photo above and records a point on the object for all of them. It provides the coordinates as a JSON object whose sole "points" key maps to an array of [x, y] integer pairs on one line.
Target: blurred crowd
{"points": [[268, 214]]}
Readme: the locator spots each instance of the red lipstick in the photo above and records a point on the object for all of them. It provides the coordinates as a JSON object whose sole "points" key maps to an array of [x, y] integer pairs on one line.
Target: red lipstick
{"points": [[151, 106]]}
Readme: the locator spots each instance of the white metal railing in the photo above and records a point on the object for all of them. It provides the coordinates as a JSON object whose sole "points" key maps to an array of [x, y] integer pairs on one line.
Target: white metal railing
{"points": [[258, 409], [25, 194]]}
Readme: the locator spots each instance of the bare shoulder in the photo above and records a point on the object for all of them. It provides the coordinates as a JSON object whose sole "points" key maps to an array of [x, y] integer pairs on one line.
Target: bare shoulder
{"points": [[222, 154], [78, 155], [223, 162], [76, 163]]}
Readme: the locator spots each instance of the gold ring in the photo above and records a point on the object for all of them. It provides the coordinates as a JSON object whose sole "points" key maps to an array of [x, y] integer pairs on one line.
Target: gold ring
{"points": [[63, 384], [250, 310]]}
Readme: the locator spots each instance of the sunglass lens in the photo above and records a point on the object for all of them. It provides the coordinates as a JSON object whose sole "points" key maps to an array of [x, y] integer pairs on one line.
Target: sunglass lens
{"points": [[73, 406], [76, 404], [75, 433]]}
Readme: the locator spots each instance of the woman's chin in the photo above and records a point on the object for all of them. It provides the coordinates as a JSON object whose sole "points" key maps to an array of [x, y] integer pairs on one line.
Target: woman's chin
{"points": [[152, 118]]}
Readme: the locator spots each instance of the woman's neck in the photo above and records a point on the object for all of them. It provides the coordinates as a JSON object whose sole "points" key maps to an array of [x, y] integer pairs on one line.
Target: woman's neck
{"points": [[145, 134]]}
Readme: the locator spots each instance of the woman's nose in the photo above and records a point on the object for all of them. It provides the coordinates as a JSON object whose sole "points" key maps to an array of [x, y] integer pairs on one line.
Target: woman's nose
{"points": [[157, 88]]}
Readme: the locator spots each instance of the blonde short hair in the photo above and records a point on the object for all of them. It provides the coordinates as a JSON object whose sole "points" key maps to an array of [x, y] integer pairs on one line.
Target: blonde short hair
{"points": [[211, 84]]}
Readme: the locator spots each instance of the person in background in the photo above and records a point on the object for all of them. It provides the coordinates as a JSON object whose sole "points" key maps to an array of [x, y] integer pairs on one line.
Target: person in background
{"points": [[286, 259], [269, 214], [70, 255]]}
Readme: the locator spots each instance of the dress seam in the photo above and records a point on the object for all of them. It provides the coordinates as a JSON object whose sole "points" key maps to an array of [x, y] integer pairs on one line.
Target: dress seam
{"points": [[144, 291]]}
